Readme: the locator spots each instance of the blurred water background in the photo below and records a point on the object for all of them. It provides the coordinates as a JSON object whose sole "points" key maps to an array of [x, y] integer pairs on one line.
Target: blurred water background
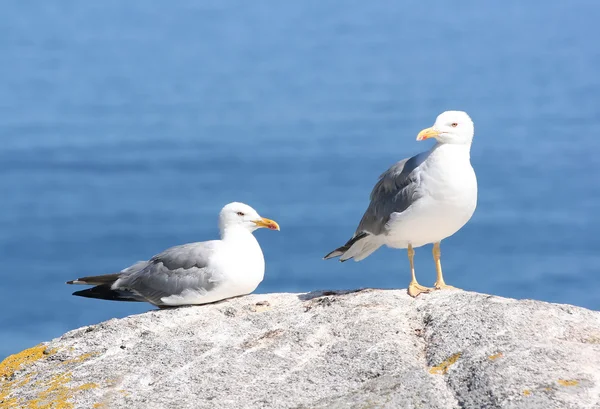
{"points": [[126, 126]]}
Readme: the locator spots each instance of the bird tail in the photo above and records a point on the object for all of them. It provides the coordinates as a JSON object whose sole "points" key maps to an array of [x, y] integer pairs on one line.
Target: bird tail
{"points": [[103, 288], [358, 248]]}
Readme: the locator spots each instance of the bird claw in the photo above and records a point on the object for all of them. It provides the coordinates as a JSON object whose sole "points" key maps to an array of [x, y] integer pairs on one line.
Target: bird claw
{"points": [[414, 289]]}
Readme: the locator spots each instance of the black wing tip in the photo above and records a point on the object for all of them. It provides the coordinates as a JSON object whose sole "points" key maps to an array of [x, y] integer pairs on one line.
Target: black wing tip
{"points": [[104, 292], [80, 293]]}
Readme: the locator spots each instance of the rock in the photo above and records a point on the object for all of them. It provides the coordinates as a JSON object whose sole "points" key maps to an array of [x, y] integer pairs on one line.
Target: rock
{"points": [[361, 349]]}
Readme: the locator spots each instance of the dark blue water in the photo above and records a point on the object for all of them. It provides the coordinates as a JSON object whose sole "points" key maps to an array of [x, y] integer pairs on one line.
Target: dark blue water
{"points": [[126, 126]]}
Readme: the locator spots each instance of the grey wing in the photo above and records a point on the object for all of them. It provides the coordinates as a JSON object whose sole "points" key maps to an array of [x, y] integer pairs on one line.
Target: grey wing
{"points": [[173, 272], [396, 190]]}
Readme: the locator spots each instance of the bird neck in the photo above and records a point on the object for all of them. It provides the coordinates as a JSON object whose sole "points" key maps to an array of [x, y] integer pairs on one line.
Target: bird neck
{"points": [[457, 150], [235, 233]]}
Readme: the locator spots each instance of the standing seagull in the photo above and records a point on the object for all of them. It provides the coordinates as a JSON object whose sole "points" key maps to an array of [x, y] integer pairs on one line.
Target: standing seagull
{"points": [[421, 200], [194, 273]]}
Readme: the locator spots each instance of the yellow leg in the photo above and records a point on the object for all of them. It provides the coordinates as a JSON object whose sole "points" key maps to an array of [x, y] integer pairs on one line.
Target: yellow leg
{"points": [[439, 283], [414, 288]]}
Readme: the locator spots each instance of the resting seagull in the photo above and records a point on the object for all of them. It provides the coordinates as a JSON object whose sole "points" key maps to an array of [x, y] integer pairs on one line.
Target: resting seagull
{"points": [[421, 200], [194, 273]]}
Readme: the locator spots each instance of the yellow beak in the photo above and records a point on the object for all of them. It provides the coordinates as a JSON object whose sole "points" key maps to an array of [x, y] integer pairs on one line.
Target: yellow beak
{"points": [[427, 133], [268, 223]]}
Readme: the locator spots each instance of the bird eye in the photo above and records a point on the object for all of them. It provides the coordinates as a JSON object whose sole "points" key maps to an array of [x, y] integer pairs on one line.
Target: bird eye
{"points": [[240, 214], [453, 124]]}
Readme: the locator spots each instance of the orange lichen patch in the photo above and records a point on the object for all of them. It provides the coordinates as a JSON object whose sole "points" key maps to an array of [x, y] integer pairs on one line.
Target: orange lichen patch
{"points": [[442, 368], [14, 363], [495, 356], [568, 382], [25, 380], [81, 358], [526, 392], [87, 386], [99, 405], [24, 358], [54, 391], [5, 401], [56, 394]]}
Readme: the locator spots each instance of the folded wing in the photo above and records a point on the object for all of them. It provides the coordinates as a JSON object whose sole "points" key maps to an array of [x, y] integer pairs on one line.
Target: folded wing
{"points": [[176, 272], [395, 191]]}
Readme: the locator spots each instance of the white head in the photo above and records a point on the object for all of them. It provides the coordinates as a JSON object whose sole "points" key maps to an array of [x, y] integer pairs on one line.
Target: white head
{"points": [[241, 215], [450, 127]]}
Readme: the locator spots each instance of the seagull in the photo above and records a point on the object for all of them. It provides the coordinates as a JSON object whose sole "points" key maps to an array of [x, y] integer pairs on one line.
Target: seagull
{"points": [[420, 200], [194, 273]]}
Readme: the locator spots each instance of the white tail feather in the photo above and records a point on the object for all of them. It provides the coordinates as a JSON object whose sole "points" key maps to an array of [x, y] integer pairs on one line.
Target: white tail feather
{"points": [[367, 250], [362, 248]]}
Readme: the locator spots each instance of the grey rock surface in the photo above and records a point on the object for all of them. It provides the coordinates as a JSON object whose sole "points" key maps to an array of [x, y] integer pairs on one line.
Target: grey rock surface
{"points": [[362, 349]]}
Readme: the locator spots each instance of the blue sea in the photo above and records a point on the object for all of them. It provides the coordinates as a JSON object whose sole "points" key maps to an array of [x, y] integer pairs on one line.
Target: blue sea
{"points": [[126, 126]]}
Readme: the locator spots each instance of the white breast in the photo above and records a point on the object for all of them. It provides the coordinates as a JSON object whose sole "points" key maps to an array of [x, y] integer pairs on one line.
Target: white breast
{"points": [[247, 268], [448, 186]]}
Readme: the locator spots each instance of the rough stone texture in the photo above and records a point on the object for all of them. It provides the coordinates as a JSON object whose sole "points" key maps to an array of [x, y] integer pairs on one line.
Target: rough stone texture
{"points": [[365, 349]]}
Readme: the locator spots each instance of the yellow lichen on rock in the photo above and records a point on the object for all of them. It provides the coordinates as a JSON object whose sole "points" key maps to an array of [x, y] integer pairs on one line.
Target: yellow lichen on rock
{"points": [[15, 362], [87, 386], [54, 390], [5, 401], [442, 368], [54, 396], [495, 356], [568, 382], [56, 393]]}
